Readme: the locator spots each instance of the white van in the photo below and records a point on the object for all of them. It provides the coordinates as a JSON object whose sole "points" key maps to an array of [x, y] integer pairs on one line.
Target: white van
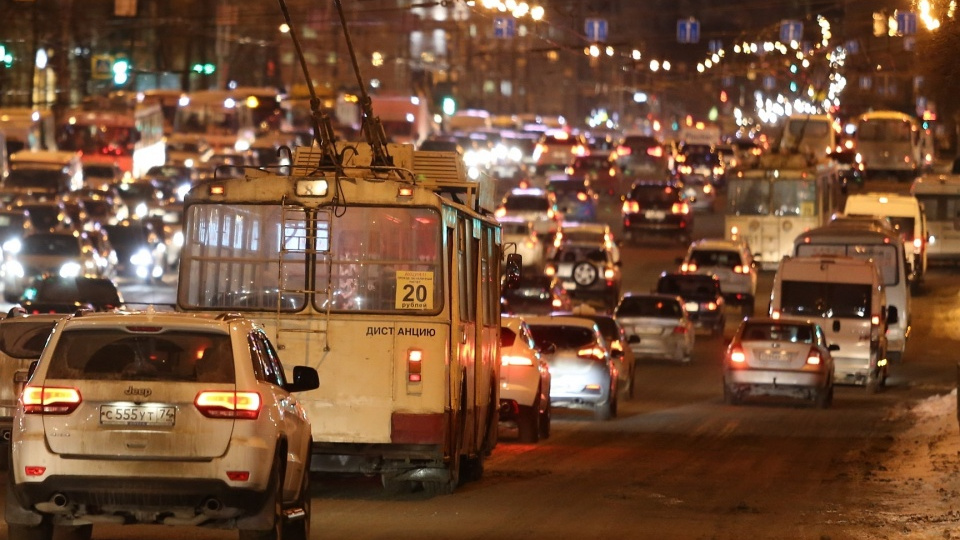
{"points": [[939, 196], [846, 297], [906, 214], [50, 171], [877, 243]]}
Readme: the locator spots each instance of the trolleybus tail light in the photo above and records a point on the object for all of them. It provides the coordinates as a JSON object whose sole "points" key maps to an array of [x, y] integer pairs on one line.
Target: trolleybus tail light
{"points": [[50, 400], [216, 189], [414, 365], [236, 405], [404, 191]]}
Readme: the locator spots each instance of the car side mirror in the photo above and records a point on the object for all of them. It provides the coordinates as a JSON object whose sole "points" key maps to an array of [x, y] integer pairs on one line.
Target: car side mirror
{"points": [[512, 272], [833, 347], [893, 316], [304, 378]]}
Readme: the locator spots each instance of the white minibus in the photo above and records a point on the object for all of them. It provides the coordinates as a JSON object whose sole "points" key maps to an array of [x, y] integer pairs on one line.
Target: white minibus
{"points": [[939, 196]]}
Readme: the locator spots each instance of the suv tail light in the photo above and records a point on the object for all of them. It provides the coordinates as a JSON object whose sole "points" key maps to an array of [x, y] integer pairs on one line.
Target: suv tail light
{"points": [[655, 151], [593, 353], [813, 358], [688, 267], [50, 400], [550, 270], [609, 273], [236, 405], [741, 269]]}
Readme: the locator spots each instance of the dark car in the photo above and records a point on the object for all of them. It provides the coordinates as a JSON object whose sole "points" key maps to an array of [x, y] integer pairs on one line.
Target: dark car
{"points": [[657, 208], [701, 295], [602, 171], [575, 196], [643, 157], [850, 168], [702, 160], [55, 294], [535, 295], [14, 225], [141, 249]]}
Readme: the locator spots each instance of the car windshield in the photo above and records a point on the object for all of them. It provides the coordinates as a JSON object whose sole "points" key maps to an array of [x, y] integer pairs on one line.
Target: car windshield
{"points": [[654, 195], [61, 245], [713, 257], [117, 354], [689, 286], [794, 333], [25, 340], [649, 306], [563, 336]]}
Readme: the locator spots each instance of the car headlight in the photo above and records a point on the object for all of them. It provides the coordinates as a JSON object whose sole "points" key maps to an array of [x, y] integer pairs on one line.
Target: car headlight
{"points": [[178, 238], [241, 146], [12, 246], [70, 269], [13, 268], [140, 210], [141, 258], [188, 162]]}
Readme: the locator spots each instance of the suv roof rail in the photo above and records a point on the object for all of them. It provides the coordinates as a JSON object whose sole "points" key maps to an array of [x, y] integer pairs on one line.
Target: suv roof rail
{"points": [[16, 311]]}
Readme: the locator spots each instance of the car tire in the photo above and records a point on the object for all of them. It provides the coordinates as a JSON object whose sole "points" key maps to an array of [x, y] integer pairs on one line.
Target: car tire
{"points": [[730, 397], [528, 423], [299, 529], [545, 418], [824, 398], [392, 486], [41, 531], [604, 411], [585, 274], [274, 500]]}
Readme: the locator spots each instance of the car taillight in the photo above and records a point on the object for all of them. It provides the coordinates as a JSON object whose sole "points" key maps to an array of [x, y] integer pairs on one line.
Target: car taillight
{"points": [[236, 405], [50, 400], [711, 306], [581, 196], [631, 207], [718, 170], [551, 214], [875, 319], [508, 360], [624, 151], [556, 303], [688, 267], [679, 329], [741, 269], [608, 273], [813, 358], [680, 208], [917, 243], [707, 188], [655, 151], [550, 270], [414, 365], [737, 356], [593, 353]]}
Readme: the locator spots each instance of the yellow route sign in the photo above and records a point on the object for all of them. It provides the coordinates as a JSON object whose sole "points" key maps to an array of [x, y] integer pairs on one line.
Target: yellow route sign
{"points": [[414, 290]]}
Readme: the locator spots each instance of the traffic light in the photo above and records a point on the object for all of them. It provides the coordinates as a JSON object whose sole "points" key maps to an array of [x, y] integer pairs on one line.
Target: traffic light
{"points": [[449, 105], [5, 57], [205, 69], [121, 67]]}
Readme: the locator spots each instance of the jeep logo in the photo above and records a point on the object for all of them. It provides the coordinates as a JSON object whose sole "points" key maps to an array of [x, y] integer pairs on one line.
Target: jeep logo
{"points": [[133, 391]]}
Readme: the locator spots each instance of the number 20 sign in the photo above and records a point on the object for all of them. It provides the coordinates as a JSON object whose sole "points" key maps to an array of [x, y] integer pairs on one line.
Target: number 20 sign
{"points": [[414, 290]]}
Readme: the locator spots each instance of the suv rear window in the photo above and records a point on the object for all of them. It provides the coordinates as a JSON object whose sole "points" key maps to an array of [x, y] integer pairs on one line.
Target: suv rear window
{"points": [[115, 355], [526, 202], [819, 299], [564, 337], [689, 286]]}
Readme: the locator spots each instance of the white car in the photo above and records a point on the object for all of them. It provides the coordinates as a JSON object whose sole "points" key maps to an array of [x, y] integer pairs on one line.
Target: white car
{"points": [[528, 245], [535, 205], [732, 263], [524, 381], [162, 418]]}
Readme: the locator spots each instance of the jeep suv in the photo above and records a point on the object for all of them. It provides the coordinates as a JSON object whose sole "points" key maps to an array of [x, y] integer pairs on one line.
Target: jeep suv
{"points": [[587, 272], [162, 418]]}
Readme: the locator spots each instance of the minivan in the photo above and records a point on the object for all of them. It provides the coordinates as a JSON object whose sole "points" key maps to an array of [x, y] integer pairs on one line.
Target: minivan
{"points": [[846, 296]]}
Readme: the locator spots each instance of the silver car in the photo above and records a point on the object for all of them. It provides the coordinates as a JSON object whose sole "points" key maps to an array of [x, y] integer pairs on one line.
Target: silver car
{"points": [[583, 373], [662, 324], [779, 357]]}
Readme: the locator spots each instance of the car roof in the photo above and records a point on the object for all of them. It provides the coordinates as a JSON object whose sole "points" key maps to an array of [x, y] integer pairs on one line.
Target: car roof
{"points": [[717, 244], [561, 320]]}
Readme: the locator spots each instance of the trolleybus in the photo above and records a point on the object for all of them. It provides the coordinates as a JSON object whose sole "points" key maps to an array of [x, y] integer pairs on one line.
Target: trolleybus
{"points": [[890, 143], [384, 279], [770, 205]]}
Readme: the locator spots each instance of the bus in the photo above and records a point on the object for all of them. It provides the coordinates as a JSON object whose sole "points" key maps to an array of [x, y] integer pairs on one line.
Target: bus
{"points": [[890, 143], [168, 99], [385, 280], [939, 195], [129, 136], [28, 129], [217, 118], [810, 134], [882, 245], [770, 205]]}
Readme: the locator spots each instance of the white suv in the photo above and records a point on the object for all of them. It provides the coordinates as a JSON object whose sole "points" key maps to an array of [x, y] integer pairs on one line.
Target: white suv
{"points": [[732, 263], [162, 418]]}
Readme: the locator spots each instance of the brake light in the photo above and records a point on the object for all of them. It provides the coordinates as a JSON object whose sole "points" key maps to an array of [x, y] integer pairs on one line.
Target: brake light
{"points": [[679, 329], [34, 470], [414, 365], [593, 353], [737, 356], [624, 151], [551, 214], [688, 267], [707, 188], [550, 270], [813, 359], [741, 269], [236, 405], [510, 360], [655, 151], [631, 207], [50, 400], [556, 303], [581, 196], [711, 306], [680, 208]]}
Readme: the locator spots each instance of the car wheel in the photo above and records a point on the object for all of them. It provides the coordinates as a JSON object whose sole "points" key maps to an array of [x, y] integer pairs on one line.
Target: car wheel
{"points": [[528, 423], [545, 422], [585, 274], [274, 500], [604, 411], [299, 528], [824, 398], [730, 396], [41, 531], [392, 486]]}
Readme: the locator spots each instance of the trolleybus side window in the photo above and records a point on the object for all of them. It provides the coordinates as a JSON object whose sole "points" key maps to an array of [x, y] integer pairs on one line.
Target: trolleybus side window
{"points": [[490, 273]]}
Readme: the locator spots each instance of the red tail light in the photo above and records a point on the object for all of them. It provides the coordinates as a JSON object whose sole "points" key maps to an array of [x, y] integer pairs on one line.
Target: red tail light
{"points": [[679, 329], [414, 365], [655, 151], [688, 267], [813, 358], [737, 356], [631, 207], [593, 353], [680, 208], [50, 400], [624, 150], [236, 405]]}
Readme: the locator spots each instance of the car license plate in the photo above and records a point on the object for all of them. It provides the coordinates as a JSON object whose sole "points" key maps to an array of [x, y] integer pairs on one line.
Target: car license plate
{"points": [[648, 330], [692, 307], [138, 415], [657, 215], [772, 357], [569, 285]]}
